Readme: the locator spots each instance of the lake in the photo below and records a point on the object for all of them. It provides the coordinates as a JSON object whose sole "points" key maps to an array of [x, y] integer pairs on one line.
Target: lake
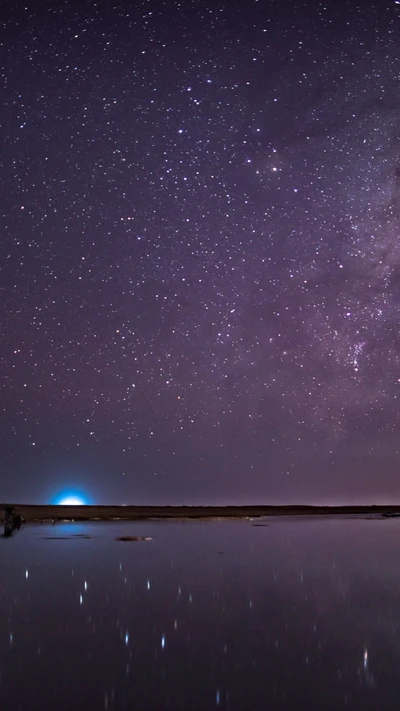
{"points": [[271, 614]]}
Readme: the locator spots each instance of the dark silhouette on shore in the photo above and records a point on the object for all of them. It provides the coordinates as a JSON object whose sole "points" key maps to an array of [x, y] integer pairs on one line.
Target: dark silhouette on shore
{"points": [[12, 521]]}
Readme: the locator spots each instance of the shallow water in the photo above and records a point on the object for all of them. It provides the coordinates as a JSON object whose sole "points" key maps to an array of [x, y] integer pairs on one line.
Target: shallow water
{"points": [[296, 614]]}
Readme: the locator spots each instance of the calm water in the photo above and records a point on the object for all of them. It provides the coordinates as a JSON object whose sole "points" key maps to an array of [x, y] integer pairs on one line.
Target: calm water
{"points": [[296, 614]]}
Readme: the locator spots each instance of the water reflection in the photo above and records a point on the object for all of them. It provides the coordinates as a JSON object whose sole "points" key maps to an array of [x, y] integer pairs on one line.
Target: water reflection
{"points": [[291, 615]]}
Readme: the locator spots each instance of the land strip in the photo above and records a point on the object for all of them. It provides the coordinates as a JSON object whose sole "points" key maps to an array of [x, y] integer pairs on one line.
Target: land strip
{"points": [[41, 513]]}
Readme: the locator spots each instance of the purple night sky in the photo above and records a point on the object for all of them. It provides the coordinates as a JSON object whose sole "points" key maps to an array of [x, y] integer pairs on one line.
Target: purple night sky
{"points": [[200, 263]]}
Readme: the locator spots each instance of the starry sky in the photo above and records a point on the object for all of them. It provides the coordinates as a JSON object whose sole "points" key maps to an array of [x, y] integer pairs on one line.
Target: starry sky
{"points": [[200, 263]]}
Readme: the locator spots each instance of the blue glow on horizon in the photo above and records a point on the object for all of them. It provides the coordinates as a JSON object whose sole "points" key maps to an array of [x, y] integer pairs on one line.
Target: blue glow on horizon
{"points": [[70, 498]]}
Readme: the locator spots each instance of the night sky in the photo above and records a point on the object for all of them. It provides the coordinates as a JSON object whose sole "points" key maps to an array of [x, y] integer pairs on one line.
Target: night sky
{"points": [[200, 251]]}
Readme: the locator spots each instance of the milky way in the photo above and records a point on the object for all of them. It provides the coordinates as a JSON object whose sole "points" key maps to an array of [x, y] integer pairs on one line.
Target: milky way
{"points": [[200, 272]]}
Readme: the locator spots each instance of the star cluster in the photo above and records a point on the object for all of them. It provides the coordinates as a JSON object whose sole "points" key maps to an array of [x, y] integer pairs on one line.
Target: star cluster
{"points": [[200, 273]]}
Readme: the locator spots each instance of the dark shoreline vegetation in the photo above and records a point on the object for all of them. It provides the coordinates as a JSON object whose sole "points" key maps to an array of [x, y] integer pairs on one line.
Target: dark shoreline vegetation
{"points": [[32, 513]]}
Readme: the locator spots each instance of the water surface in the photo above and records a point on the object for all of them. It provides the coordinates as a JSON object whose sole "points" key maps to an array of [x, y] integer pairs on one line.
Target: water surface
{"points": [[294, 614]]}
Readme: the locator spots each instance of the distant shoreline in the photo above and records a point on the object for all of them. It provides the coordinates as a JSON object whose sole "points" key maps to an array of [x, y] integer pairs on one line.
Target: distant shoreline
{"points": [[42, 513]]}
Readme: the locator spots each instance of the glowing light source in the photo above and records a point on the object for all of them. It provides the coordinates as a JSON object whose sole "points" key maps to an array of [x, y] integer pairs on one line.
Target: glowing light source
{"points": [[70, 500]]}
